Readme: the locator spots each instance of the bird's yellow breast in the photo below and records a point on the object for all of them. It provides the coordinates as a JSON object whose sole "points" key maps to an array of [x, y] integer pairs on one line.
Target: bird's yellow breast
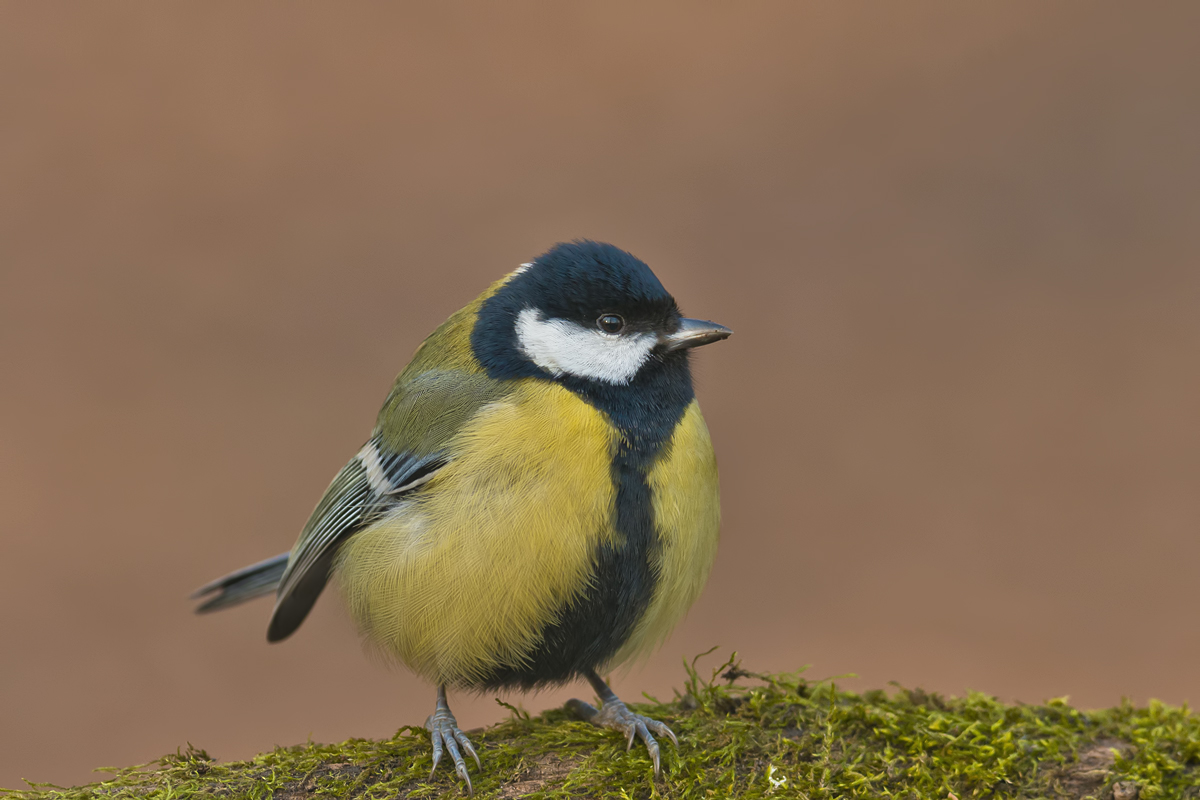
{"points": [[464, 575]]}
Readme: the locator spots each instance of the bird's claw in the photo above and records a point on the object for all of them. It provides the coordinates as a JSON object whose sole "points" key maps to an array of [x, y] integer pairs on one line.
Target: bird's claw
{"points": [[615, 715], [445, 735]]}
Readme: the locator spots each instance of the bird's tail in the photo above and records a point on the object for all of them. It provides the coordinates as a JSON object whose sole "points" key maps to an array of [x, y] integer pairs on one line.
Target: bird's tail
{"points": [[245, 584]]}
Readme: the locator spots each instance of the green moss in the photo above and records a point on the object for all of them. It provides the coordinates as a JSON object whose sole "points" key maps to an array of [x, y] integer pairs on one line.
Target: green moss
{"points": [[742, 735]]}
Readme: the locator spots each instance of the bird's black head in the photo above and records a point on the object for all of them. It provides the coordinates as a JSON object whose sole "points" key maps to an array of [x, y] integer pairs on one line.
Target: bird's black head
{"points": [[585, 312]]}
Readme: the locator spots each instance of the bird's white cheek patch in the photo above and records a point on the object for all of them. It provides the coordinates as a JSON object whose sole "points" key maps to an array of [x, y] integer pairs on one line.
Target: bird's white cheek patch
{"points": [[566, 348]]}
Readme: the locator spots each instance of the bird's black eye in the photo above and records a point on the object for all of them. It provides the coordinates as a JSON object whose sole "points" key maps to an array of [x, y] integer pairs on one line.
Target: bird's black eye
{"points": [[611, 323]]}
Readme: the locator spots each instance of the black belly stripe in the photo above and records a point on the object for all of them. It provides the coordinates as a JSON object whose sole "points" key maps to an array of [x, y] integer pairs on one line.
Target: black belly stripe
{"points": [[600, 618]]}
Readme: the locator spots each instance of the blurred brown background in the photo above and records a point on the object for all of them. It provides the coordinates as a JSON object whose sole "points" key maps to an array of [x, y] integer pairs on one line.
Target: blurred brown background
{"points": [[957, 426]]}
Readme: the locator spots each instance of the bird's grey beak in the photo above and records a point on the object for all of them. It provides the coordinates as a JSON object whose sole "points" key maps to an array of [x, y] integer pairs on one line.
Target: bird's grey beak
{"points": [[693, 333]]}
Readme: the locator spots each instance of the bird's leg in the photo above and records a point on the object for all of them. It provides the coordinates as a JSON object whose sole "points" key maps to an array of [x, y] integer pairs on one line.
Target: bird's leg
{"points": [[443, 728], [614, 714]]}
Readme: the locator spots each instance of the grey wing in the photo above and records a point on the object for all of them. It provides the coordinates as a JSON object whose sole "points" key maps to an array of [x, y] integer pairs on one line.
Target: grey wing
{"points": [[366, 487]]}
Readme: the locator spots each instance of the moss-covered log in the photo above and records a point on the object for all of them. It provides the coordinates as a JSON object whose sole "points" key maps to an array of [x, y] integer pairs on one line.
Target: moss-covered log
{"points": [[742, 735]]}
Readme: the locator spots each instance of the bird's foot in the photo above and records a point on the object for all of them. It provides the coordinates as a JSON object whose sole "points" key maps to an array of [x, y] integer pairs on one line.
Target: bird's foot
{"points": [[446, 735], [616, 715]]}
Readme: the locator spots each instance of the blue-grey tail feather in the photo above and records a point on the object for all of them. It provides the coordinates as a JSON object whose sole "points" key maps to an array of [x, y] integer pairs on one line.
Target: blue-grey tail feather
{"points": [[245, 584]]}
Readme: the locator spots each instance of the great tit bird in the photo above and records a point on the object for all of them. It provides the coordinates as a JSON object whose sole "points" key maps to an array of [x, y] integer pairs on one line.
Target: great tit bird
{"points": [[537, 502]]}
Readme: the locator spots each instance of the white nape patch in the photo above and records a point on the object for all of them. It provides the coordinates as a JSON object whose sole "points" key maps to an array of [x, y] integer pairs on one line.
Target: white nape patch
{"points": [[565, 348], [369, 457], [522, 268]]}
